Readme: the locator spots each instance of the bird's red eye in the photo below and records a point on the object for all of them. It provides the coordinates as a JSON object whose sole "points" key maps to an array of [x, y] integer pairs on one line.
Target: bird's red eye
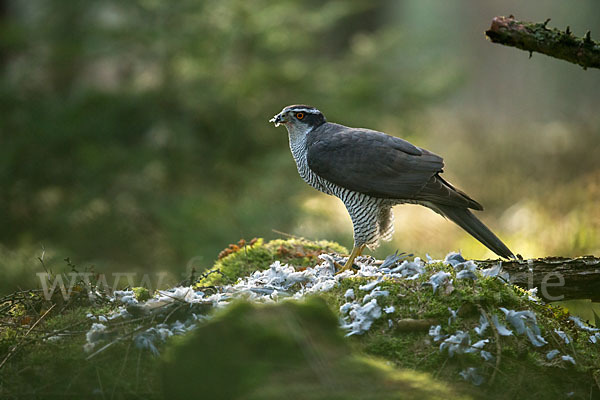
{"points": [[299, 115]]}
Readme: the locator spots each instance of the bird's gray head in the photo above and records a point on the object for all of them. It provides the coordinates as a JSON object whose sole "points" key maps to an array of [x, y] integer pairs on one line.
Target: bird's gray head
{"points": [[299, 118]]}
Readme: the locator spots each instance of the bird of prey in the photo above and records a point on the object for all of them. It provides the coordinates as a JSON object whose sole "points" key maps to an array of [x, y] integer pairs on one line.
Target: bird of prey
{"points": [[371, 172]]}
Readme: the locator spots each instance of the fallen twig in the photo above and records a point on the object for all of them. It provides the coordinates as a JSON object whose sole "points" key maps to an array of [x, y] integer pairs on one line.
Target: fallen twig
{"points": [[18, 345], [498, 346]]}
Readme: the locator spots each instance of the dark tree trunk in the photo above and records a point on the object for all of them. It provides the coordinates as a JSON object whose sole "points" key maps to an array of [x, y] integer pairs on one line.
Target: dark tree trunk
{"points": [[556, 278]]}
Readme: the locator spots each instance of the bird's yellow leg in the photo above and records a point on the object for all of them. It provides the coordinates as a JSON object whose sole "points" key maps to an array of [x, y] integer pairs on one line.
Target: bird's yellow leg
{"points": [[356, 251]]}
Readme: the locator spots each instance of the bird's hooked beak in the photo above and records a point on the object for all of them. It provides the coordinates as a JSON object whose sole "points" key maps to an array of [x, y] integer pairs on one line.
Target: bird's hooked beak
{"points": [[278, 119]]}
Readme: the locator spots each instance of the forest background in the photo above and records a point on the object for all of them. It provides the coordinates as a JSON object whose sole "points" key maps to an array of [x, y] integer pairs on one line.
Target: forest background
{"points": [[134, 135]]}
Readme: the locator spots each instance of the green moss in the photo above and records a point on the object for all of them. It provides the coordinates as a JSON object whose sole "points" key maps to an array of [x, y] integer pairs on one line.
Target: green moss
{"points": [[141, 293], [17, 310], [300, 253], [58, 369], [50, 363]]}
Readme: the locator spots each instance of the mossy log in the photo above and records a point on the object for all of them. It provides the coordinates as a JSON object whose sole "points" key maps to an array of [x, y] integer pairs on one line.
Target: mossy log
{"points": [[530, 36], [556, 278], [296, 350]]}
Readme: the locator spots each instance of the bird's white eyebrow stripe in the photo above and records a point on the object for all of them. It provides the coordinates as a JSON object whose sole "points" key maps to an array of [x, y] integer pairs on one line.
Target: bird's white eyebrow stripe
{"points": [[304, 109]]}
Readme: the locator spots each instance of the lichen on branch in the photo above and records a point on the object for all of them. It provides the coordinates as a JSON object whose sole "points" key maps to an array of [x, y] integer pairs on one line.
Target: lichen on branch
{"points": [[537, 37]]}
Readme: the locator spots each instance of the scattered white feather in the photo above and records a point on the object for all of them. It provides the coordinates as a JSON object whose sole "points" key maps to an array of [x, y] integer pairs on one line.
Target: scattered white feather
{"points": [[581, 325], [472, 375], [453, 258], [465, 266], [329, 261], [502, 330], [466, 274], [408, 269], [377, 292], [369, 286], [568, 359], [495, 271], [487, 356], [525, 322], [519, 319], [392, 260], [438, 279], [96, 334], [345, 308], [452, 316], [491, 272], [532, 295], [563, 336], [551, 354], [145, 342], [435, 331], [483, 325], [458, 343], [361, 317], [536, 339], [125, 297], [349, 294]]}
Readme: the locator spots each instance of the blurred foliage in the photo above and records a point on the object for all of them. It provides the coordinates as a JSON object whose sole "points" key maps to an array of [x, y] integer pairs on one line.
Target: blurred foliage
{"points": [[134, 135]]}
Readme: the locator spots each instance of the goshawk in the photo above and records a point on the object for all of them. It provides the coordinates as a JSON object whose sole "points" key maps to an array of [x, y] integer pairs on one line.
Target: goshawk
{"points": [[371, 172]]}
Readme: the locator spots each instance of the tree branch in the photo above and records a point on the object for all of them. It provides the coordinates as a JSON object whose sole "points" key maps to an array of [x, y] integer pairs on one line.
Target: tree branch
{"points": [[573, 278], [553, 42]]}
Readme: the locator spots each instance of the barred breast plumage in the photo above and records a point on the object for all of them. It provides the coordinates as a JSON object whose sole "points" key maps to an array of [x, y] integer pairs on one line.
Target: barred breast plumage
{"points": [[372, 217]]}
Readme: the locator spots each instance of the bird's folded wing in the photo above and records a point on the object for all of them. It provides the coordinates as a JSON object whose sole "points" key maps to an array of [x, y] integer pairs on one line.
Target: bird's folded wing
{"points": [[380, 165], [370, 162]]}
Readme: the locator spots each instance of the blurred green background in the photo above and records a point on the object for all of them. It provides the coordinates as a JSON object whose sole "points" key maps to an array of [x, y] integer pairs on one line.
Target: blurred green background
{"points": [[134, 135]]}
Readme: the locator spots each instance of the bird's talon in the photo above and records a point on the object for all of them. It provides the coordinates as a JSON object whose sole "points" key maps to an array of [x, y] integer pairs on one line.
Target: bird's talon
{"points": [[342, 268]]}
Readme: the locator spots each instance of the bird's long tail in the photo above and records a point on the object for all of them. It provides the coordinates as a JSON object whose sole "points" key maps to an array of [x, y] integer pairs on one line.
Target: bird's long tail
{"points": [[469, 222]]}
